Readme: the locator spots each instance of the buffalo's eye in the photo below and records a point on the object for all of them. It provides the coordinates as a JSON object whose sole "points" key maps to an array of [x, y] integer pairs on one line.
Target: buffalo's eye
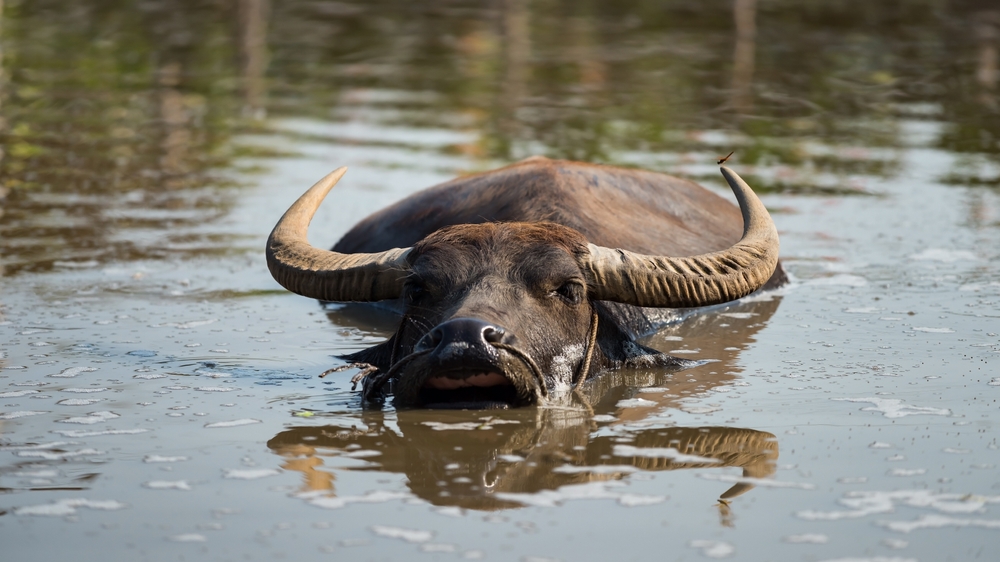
{"points": [[415, 291], [571, 291]]}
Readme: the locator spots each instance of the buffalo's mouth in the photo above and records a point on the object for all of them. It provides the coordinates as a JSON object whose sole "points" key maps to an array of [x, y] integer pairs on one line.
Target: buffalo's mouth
{"points": [[508, 380], [481, 390]]}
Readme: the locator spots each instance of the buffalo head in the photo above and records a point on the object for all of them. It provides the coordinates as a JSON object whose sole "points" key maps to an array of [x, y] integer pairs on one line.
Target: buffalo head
{"points": [[509, 313]]}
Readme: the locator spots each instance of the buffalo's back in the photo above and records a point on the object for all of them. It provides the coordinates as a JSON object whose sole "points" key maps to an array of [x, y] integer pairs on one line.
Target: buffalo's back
{"points": [[637, 210]]}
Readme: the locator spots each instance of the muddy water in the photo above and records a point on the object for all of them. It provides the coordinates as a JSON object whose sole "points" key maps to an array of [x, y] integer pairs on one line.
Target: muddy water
{"points": [[158, 392]]}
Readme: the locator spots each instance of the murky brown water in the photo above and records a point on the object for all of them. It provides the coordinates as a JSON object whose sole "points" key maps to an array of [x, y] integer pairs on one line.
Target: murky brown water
{"points": [[158, 391]]}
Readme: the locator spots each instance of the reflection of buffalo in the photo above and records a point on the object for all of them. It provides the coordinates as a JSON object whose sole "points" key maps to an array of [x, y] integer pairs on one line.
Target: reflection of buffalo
{"points": [[532, 450], [522, 283], [459, 459]]}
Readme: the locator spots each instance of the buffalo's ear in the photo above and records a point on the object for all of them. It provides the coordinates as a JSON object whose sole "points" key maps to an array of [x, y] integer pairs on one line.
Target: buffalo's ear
{"points": [[620, 350]]}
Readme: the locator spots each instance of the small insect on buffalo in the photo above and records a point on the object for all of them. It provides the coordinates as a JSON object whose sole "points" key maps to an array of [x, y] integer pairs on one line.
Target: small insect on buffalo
{"points": [[723, 160]]}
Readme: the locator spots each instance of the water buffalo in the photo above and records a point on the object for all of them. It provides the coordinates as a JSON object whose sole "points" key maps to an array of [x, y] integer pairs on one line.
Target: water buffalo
{"points": [[517, 285]]}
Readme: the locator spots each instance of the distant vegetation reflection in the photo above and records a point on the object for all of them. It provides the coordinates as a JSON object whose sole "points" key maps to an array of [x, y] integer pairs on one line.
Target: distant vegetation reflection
{"points": [[121, 119]]}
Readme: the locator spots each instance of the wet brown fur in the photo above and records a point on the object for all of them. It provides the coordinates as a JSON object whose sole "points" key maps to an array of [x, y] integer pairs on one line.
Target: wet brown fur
{"points": [[495, 246]]}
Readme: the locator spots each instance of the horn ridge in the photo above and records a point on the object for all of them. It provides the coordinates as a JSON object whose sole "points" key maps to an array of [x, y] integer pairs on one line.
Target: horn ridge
{"points": [[685, 282], [324, 274]]}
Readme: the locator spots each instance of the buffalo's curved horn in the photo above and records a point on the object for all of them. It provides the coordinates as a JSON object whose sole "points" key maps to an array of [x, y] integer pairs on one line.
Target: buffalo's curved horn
{"points": [[324, 274], [671, 282]]}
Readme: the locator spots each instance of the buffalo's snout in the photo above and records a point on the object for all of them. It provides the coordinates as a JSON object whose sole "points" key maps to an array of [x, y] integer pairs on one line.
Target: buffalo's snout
{"points": [[462, 338]]}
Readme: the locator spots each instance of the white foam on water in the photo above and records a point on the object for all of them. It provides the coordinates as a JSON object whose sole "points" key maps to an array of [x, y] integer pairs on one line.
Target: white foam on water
{"points": [[654, 389], [894, 407], [149, 376], [168, 485], [807, 538], [320, 499], [880, 445], [83, 433], [907, 471], [91, 418], [215, 388], [713, 549], [933, 330], [54, 456], [84, 390], [659, 453], [636, 500], [450, 511], [864, 503], [944, 256], [78, 401], [158, 459], [635, 403], [73, 371], [37, 446], [994, 382], [604, 418], [933, 521], [408, 535], [188, 537], [17, 393], [21, 414], [510, 458], [739, 315], [762, 482], [68, 507], [234, 423], [250, 474]]}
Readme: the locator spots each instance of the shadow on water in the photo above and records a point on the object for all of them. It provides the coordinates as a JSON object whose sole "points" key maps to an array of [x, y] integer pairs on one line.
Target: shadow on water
{"points": [[491, 460]]}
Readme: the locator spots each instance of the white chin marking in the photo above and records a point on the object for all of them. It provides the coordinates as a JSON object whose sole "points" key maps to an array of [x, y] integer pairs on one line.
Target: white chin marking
{"points": [[477, 379]]}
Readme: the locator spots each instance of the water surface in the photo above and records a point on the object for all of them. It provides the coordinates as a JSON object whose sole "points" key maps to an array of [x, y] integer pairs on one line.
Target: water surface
{"points": [[159, 397]]}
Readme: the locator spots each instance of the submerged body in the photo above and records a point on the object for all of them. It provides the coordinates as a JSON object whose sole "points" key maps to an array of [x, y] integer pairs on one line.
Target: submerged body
{"points": [[530, 279]]}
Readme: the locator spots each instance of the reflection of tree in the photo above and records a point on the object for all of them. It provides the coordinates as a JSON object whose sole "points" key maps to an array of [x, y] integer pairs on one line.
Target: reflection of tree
{"points": [[3, 130], [109, 102], [744, 15], [253, 16], [639, 74]]}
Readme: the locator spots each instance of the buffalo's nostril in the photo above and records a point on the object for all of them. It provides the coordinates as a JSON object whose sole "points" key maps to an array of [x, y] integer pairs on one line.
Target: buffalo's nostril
{"points": [[430, 340], [493, 334], [461, 332]]}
